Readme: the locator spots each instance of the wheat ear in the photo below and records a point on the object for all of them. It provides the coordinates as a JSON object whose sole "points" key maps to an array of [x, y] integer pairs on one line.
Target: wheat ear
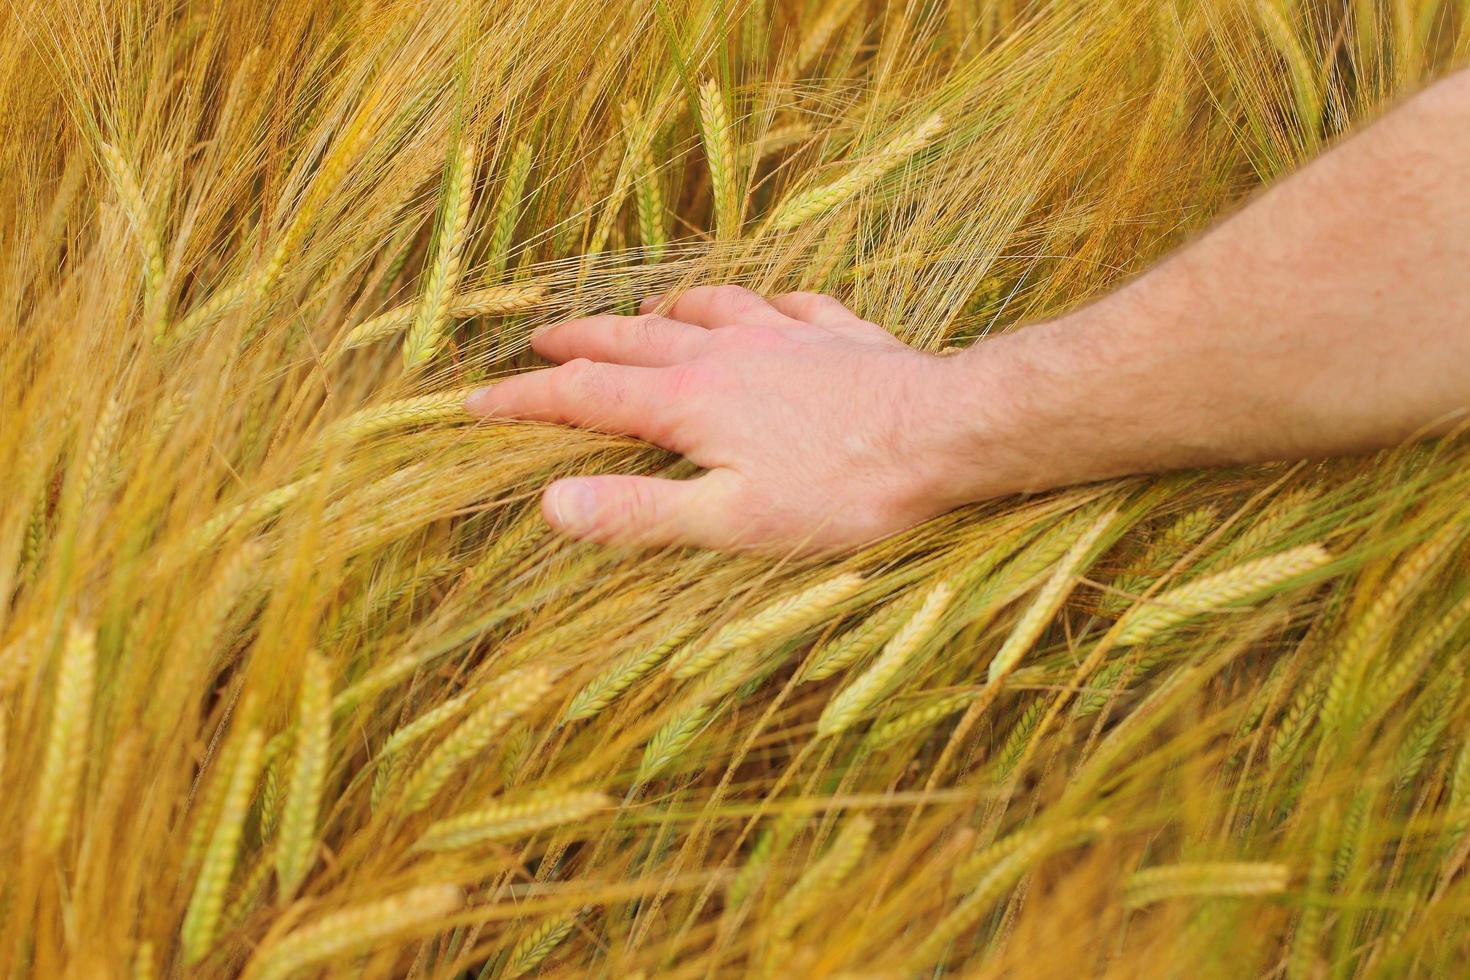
{"points": [[416, 730], [143, 965], [248, 514], [203, 915], [517, 694], [97, 463], [1350, 665], [538, 944], [817, 883], [296, 843], [1161, 553], [1049, 599], [258, 285], [920, 718], [648, 200], [352, 929], [506, 212], [66, 750], [491, 301], [719, 152], [844, 709], [782, 618], [435, 305], [1305, 75], [421, 410], [1002, 875], [670, 741], [497, 822], [1205, 880], [66, 741], [130, 193], [847, 649], [323, 186], [815, 37], [1242, 582], [607, 686], [802, 207]]}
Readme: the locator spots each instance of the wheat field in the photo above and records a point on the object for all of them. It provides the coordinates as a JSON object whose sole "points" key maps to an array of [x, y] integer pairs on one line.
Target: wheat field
{"points": [[294, 681]]}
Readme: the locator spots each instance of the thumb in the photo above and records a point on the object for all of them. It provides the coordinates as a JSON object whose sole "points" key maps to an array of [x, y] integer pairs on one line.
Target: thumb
{"points": [[645, 511]]}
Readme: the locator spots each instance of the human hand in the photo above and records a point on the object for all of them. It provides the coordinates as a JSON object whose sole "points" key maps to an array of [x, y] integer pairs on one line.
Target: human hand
{"points": [[818, 430]]}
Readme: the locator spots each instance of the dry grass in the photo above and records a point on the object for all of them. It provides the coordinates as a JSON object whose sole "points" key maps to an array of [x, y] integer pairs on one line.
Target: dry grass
{"points": [[278, 625]]}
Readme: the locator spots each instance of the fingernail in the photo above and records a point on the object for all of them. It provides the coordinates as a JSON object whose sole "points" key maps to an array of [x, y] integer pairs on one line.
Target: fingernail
{"points": [[478, 401], [573, 504]]}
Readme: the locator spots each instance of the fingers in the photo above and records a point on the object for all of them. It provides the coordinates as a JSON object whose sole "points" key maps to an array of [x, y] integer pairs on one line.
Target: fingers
{"points": [[640, 341], [815, 308], [727, 306], [643, 511], [607, 397], [721, 306]]}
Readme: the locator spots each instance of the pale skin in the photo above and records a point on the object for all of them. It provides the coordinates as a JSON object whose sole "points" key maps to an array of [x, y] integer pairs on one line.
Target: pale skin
{"points": [[1329, 316]]}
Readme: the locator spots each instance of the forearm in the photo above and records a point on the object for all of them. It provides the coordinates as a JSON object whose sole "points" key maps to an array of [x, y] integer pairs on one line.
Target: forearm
{"points": [[1331, 315]]}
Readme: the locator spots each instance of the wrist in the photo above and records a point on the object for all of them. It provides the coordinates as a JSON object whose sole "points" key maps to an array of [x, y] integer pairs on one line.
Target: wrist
{"points": [[1050, 405]]}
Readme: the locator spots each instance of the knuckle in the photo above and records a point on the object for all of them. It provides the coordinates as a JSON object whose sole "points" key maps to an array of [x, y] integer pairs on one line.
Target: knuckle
{"points": [[762, 336], [574, 379], [652, 331], [735, 298], [811, 304], [689, 382]]}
